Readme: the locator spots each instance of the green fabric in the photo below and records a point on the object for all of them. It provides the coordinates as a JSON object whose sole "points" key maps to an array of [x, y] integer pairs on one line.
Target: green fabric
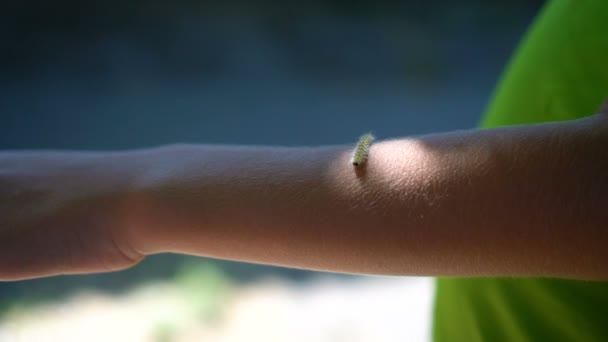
{"points": [[560, 72]]}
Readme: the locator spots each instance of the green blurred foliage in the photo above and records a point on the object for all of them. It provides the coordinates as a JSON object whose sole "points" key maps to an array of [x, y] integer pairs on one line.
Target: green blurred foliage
{"points": [[205, 286]]}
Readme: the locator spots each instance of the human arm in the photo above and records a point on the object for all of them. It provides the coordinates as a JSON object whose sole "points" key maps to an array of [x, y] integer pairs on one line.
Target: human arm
{"points": [[519, 201]]}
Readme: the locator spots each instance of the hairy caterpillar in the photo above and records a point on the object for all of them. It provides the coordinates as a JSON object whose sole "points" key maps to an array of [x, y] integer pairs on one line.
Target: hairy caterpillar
{"points": [[362, 149]]}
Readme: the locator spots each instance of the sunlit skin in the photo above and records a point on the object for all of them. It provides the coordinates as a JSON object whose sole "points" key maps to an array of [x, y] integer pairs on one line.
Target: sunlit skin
{"points": [[518, 201]]}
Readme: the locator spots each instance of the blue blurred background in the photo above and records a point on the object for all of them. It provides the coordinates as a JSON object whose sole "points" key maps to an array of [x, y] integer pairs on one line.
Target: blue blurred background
{"points": [[105, 75]]}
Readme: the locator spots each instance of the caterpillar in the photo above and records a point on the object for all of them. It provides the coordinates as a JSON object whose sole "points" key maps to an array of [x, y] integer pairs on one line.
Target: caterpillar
{"points": [[362, 149]]}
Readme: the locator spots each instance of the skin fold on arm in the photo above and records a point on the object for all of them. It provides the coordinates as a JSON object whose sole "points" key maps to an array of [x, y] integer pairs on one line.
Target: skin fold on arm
{"points": [[515, 201]]}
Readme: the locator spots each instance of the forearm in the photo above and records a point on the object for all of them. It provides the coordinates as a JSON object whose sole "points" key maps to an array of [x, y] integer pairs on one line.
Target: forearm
{"points": [[519, 201]]}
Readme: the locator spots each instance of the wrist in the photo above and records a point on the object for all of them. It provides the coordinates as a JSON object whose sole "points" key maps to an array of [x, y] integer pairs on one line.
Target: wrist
{"points": [[113, 191], [147, 199]]}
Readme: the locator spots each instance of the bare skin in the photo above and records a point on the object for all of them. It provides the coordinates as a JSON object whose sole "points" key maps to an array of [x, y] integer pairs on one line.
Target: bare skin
{"points": [[519, 201]]}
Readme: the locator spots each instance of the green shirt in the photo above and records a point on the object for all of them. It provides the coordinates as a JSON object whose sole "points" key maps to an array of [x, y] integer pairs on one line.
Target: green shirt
{"points": [[560, 72]]}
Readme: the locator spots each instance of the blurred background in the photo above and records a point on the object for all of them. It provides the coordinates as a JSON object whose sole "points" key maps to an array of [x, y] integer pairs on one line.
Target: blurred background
{"points": [[101, 75]]}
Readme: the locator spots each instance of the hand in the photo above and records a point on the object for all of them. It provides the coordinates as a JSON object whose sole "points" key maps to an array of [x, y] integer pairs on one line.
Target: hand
{"points": [[60, 213]]}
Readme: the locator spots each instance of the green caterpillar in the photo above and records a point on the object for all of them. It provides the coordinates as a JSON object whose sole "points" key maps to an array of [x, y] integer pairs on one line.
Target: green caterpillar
{"points": [[362, 149]]}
